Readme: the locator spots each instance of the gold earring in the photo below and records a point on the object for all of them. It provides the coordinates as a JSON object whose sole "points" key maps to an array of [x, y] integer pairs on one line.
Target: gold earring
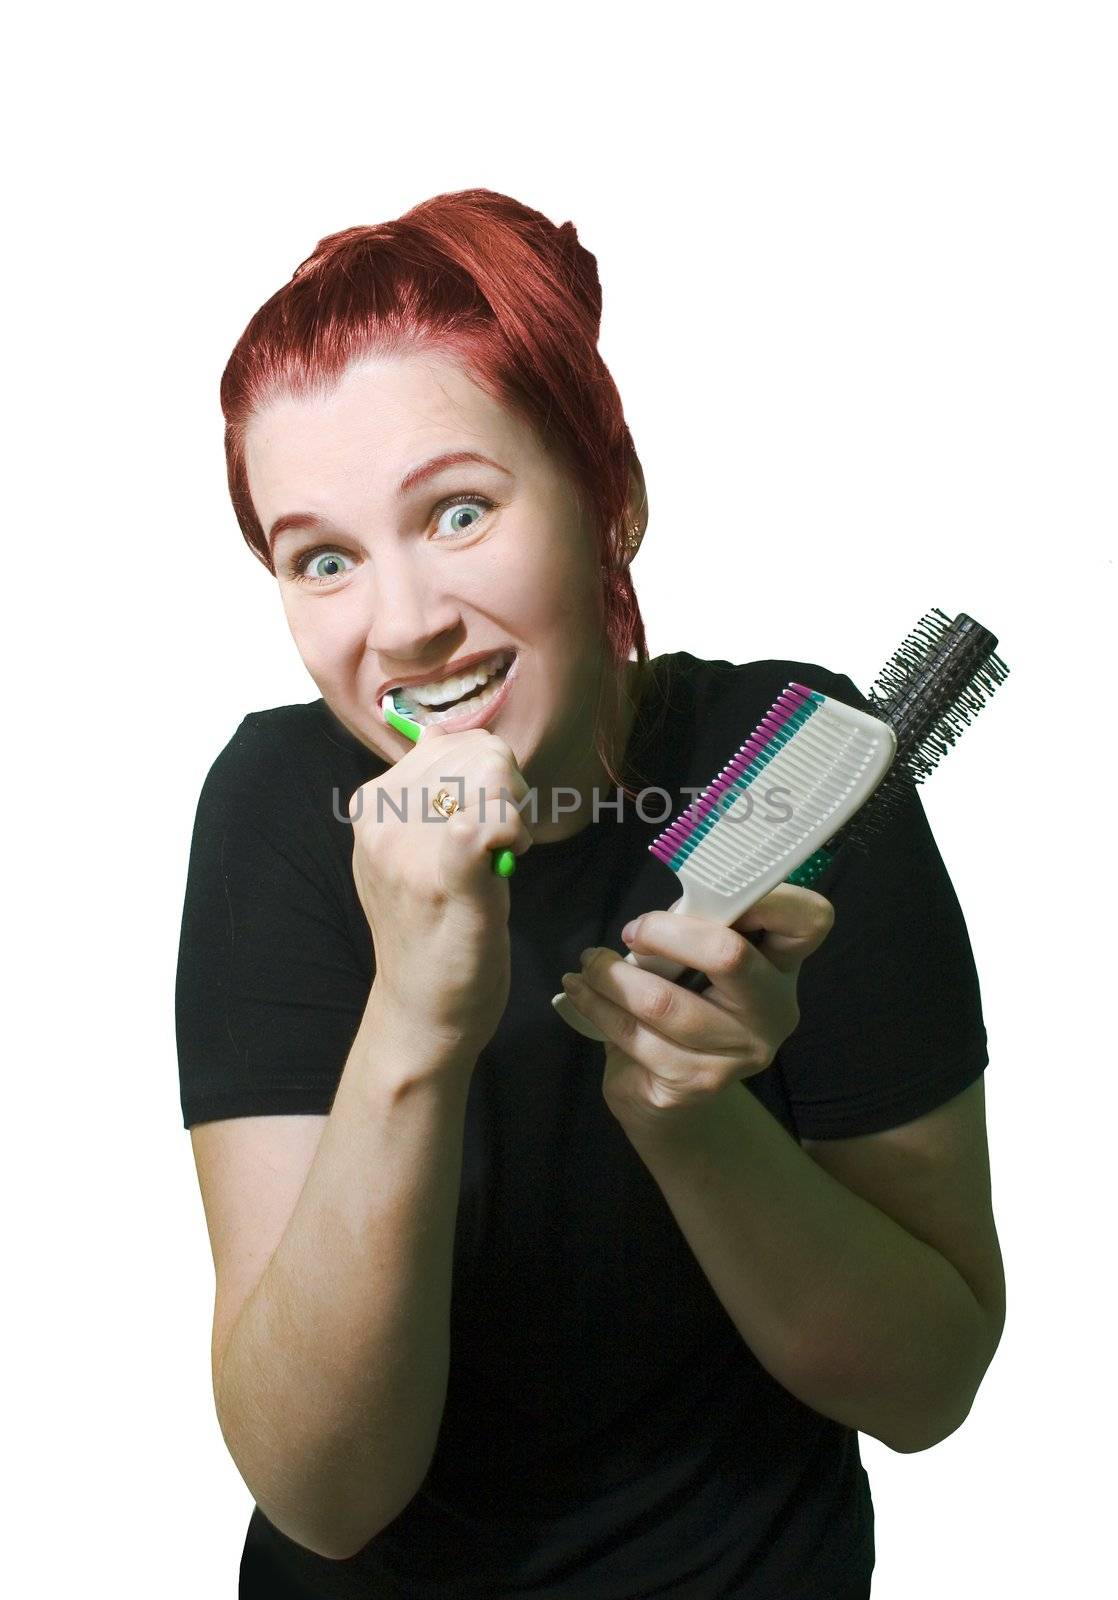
{"points": [[632, 540]]}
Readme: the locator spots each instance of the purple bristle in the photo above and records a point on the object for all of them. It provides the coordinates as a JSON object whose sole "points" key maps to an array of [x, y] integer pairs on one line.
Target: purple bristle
{"points": [[668, 843]]}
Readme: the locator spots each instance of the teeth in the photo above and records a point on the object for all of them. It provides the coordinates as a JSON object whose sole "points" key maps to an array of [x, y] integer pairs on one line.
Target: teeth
{"points": [[427, 694], [464, 708]]}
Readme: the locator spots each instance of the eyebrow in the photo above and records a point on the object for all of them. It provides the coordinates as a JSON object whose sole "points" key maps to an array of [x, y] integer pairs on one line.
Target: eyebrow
{"points": [[410, 480]]}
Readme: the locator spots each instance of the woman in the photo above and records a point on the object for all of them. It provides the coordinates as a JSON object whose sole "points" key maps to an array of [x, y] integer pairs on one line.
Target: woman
{"points": [[495, 1315]]}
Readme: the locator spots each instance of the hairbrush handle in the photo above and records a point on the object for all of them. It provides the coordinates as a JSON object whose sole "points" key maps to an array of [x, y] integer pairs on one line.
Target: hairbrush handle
{"points": [[823, 756], [662, 966]]}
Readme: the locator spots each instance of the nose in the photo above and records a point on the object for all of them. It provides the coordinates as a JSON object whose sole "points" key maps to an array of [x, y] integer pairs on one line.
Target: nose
{"points": [[410, 610]]}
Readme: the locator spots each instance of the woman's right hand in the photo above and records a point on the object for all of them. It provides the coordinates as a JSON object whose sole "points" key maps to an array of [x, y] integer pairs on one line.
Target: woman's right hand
{"points": [[437, 911]]}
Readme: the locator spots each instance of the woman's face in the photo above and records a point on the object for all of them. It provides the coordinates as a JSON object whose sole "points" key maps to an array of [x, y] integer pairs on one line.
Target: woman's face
{"points": [[403, 566]]}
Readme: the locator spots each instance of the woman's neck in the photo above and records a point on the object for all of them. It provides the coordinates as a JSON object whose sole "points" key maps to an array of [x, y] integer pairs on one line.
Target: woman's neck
{"points": [[556, 820]]}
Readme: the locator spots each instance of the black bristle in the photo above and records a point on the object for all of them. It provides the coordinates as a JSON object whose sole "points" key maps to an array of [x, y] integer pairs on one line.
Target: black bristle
{"points": [[929, 690]]}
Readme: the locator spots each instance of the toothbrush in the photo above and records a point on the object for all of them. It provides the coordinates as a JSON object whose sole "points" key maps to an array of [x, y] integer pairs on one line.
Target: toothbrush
{"points": [[825, 757], [504, 861], [937, 679]]}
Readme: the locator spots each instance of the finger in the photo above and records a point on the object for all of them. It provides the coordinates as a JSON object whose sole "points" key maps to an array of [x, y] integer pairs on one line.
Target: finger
{"points": [[489, 807], [669, 1063], [494, 756], [673, 1014], [795, 922], [488, 765], [722, 953]]}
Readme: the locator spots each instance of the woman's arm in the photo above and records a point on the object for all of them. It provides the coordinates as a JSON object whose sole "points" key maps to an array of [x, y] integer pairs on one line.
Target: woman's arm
{"points": [[330, 1378], [854, 1315], [873, 1291]]}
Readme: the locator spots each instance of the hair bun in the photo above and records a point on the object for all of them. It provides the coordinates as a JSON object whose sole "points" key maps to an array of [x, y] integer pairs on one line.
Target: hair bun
{"points": [[581, 274]]}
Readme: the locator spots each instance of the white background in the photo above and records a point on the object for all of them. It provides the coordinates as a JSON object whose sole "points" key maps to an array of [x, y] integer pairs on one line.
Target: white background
{"points": [[859, 265]]}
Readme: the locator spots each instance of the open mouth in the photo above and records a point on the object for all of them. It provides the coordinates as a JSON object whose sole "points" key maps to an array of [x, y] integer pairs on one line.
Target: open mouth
{"points": [[459, 697]]}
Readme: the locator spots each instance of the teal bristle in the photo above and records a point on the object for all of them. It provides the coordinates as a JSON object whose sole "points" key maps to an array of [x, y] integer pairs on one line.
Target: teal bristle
{"points": [[736, 786]]}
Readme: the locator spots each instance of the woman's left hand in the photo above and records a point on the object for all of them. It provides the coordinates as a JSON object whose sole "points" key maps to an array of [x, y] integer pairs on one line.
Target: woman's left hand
{"points": [[668, 1049]]}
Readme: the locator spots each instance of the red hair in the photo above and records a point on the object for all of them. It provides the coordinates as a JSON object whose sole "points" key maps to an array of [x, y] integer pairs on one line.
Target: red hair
{"points": [[484, 280]]}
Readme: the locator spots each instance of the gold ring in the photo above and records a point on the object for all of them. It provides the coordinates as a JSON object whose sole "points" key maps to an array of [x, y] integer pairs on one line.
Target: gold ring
{"points": [[445, 803]]}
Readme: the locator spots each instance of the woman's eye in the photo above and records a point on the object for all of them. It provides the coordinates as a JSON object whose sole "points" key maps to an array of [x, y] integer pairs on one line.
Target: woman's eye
{"points": [[319, 566], [462, 513], [455, 517]]}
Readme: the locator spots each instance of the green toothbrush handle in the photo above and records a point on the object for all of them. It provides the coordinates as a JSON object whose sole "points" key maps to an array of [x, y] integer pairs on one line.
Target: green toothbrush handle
{"points": [[504, 860]]}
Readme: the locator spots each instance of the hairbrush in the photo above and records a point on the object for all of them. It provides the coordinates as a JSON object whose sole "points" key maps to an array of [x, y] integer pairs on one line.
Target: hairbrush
{"points": [[847, 771]]}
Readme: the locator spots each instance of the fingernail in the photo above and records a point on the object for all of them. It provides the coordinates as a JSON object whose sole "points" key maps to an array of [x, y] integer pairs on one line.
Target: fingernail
{"points": [[571, 981], [629, 931], [584, 955]]}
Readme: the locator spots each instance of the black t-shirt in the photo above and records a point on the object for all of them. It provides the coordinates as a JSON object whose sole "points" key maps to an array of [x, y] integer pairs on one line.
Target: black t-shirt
{"points": [[607, 1432]]}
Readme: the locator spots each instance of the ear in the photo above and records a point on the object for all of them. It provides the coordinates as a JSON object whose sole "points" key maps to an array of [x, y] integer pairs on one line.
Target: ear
{"points": [[637, 504]]}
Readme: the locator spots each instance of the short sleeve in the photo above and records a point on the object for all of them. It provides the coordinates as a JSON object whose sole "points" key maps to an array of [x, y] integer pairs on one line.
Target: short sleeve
{"points": [[891, 1021], [270, 987]]}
